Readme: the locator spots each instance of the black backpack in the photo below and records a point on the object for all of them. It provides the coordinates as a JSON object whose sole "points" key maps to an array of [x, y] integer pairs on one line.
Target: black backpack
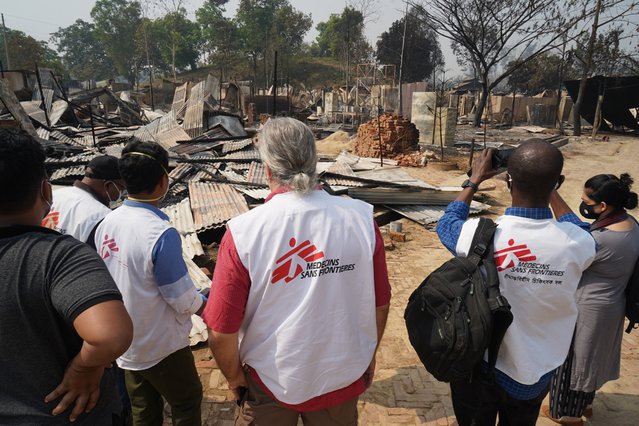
{"points": [[456, 313]]}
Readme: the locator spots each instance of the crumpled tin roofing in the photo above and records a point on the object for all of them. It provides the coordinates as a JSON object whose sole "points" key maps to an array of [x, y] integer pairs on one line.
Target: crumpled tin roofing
{"points": [[425, 215], [181, 217], [214, 204], [168, 139], [232, 146], [246, 154], [256, 174], [74, 171]]}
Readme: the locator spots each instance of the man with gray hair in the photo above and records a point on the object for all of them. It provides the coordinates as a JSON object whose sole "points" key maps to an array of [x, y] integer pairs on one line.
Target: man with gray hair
{"points": [[300, 294]]}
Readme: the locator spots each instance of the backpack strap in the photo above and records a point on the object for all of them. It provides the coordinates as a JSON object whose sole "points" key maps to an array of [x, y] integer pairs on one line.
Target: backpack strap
{"points": [[482, 241], [483, 251]]}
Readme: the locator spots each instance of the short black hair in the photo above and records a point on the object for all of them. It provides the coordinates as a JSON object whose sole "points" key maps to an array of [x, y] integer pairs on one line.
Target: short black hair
{"points": [[142, 166], [535, 167], [21, 170], [612, 190]]}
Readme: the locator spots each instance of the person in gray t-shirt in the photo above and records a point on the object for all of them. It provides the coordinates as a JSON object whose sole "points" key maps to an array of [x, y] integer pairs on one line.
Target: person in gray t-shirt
{"points": [[62, 320]]}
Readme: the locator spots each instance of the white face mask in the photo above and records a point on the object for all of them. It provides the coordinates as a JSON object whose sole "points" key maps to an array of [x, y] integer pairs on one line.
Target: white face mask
{"points": [[113, 204]]}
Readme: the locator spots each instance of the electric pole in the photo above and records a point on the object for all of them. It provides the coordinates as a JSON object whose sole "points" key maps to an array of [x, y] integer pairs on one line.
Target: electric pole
{"points": [[4, 36], [401, 64]]}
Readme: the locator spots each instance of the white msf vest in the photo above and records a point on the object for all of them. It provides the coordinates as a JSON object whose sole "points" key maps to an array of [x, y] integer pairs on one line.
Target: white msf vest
{"points": [[539, 264], [75, 212], [309, 326], [125, 240]]}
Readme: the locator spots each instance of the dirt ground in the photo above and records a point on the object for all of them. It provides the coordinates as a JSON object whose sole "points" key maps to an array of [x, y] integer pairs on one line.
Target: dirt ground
{"points": [[403, 392]]}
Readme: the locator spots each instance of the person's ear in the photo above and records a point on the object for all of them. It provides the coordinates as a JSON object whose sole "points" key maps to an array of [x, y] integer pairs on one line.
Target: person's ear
{"points": [[604, 206], [46, 191], [268, 173], [560, 182]]}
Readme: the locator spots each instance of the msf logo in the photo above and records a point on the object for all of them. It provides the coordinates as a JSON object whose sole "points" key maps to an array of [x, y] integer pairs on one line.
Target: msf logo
{"points": [[510, 257], [304, 251], [109, 246], [52, 220]]}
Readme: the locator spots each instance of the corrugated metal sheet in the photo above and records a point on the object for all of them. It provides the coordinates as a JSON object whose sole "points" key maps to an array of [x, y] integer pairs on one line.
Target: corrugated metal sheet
{"points": [[425, 215], [403, 196], [194, 116], [204, 172], [256, 174], [231, 176], [238, 167], [232, 146], [341, 169], [198, 332], [114, 150], [254, 193], [59, 136], [181, 217], [169, 138], [394, 175], [247, 154], [179, 98], [181, 171], [214, 204], [362, 163], [58, 109], [67, 172], [33, 110], [193, 148], [144, 134], [43, 133]]}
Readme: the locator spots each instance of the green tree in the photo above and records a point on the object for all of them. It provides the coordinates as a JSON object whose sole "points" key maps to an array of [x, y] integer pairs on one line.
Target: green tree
{"points": [[116, 25], [25, 51], [180, 40], [220, 35], [342, 37], [422, 53], [534, 76], [82, 53], [269, 25]]}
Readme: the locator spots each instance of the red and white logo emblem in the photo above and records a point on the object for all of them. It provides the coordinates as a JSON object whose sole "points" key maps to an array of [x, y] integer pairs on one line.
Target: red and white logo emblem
{"points": [[109, 246], [510, 257], [305, 251], [52, 219]]}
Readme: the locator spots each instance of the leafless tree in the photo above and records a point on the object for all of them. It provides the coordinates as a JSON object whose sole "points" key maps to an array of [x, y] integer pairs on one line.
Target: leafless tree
{"points": [[492, 32], [368, 8]]}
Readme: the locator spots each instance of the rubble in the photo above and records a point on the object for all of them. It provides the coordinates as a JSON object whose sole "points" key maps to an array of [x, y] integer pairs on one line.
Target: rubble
{"points": [[398, 136]]}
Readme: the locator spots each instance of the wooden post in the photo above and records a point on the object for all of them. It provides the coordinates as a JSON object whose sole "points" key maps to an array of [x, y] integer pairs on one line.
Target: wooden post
{"points": [[13, 105]]}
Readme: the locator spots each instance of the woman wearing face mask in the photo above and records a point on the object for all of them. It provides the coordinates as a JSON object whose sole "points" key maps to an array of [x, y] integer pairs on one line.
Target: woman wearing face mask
{"points": [[596, 350]]}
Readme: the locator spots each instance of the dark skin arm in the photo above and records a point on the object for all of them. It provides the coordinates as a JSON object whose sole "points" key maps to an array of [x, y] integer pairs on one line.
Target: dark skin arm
{"points": [[107, 331], [482, 170], [558, 205]]}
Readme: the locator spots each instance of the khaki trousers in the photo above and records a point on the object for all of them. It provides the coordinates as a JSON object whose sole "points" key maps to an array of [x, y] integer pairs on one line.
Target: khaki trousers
{"points": [[257, 408]]}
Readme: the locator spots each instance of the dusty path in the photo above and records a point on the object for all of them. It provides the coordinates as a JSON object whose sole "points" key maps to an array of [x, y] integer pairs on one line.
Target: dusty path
{"points": [[403, 392]]}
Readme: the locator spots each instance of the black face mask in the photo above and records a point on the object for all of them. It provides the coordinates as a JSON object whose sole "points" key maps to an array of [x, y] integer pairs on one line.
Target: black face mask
{"points": [[588, 211]]}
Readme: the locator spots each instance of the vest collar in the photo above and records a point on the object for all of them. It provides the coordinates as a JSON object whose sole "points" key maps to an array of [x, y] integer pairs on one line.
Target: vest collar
{"points": [[147, 206]]}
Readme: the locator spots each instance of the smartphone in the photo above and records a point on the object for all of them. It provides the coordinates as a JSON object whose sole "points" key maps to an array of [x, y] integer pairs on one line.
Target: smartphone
{"points": [[499, 160]]}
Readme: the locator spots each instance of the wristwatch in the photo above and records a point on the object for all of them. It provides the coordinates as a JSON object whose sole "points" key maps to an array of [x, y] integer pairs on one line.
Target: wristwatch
{"points": [[468, 183]]}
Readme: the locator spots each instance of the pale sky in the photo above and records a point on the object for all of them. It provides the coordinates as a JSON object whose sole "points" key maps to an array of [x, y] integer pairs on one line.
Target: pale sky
{"points": [[40, 18]]}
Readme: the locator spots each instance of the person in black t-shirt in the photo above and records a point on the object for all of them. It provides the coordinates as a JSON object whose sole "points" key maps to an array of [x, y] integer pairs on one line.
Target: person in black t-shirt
{"points": [[62, 320]]}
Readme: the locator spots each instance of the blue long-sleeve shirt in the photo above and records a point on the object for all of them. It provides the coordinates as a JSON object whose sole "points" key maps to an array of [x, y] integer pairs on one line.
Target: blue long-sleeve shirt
{"points": [[449, 230]]}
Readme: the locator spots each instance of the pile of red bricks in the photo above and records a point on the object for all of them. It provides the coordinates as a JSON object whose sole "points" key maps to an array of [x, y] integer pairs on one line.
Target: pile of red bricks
{"points": [[398, 135]]}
